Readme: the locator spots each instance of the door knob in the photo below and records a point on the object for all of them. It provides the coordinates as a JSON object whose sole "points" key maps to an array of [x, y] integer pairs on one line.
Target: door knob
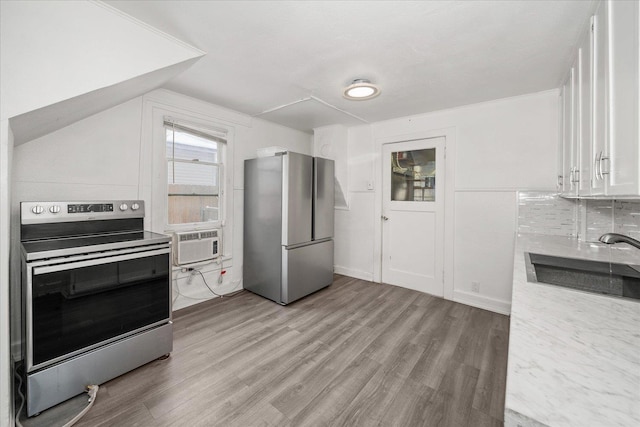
{"points": [[385, 218]]}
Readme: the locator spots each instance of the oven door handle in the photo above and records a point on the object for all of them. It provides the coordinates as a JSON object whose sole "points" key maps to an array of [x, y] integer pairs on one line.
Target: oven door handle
{"points": [[98, 261]]}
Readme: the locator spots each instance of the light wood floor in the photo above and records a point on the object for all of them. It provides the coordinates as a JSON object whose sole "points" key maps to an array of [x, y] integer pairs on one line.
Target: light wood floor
{"points": [[354, 354]]}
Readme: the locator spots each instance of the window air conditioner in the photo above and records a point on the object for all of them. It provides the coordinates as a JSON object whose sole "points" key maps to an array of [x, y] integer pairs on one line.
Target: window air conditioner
{"points": [[195, 246]]}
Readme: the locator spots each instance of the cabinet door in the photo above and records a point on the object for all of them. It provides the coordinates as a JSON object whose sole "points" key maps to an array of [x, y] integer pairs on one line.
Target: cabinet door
{"points": [[599, 95], [569, 183], [584, 115], [624, 147], [560, 151]]}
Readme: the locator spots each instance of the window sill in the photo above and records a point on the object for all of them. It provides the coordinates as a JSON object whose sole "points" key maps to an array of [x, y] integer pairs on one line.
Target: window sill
{"points": [[194, 226]]}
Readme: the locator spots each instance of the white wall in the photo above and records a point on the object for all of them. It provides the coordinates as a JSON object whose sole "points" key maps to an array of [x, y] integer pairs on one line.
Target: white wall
{"points": [[111, 156], [6, 368], [501, 147], [331, 142], [355, 226]]}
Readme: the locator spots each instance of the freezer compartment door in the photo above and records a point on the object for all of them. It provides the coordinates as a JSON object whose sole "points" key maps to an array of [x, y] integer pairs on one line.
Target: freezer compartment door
{"points": [[306, 269], [323, 198], [297, 204]]}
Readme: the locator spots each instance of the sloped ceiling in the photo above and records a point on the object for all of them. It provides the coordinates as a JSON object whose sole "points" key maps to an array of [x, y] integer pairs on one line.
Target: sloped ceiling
{"points": [[426, 55], [62, 61]]}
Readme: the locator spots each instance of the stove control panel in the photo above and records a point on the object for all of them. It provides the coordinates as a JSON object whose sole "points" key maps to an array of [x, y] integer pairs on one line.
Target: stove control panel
{"points": [[45, 212], [89, 207]]}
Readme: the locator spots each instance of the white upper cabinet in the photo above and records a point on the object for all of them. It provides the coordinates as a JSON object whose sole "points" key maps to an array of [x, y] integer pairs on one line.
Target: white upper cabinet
{"points": [[600, 135], [584, 113], [560, 153], [599, 33], [569, 185], [623, 148]]}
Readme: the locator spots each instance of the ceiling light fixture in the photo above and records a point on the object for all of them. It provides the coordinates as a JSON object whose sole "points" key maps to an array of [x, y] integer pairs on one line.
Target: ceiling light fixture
{"points": [[360, 90]]}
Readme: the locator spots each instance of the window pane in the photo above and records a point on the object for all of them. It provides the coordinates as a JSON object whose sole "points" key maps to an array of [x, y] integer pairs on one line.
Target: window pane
{"points": [[192, 173], [193, 182], [191, 147], [187, 209], [413, 175]]}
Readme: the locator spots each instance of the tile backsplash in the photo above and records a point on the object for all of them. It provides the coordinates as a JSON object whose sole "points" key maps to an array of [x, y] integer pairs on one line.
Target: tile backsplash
{"points": [[598, 219], [547, 213], [626, 218]]}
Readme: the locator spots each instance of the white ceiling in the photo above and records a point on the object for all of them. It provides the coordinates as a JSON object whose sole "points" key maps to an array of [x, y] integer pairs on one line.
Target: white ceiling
{"points": [[425, 55]]}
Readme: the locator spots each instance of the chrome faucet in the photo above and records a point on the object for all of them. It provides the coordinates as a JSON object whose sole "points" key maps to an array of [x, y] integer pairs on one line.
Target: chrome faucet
{"points": [[611, 238]]}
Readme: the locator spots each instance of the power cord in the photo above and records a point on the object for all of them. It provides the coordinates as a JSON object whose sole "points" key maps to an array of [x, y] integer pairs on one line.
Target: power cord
{"points": [[205, 282], [22, 398], [92, 390], [220, 279], [180, 294], [192, 271]]}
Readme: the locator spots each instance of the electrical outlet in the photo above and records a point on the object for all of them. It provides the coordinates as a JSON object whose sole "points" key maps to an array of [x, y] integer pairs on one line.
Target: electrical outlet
{"points": [[475, 287]]}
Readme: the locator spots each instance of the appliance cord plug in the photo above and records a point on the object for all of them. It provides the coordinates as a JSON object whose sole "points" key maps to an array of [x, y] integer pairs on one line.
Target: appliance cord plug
{"points": [[92, 391]]}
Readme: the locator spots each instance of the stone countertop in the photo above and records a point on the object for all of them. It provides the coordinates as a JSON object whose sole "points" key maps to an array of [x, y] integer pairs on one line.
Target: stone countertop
{"points": [[574, 357]]}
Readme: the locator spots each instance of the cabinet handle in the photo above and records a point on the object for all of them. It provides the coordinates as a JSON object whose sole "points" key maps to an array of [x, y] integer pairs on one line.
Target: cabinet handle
{"points": [[576, 175], [597, 166], [560, 182], [603, 173]]}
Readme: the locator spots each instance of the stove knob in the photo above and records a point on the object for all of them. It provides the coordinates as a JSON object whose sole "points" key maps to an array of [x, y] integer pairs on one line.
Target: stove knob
{"points": [[135, 207], [123, 207], [54, 209], [37, 209]]}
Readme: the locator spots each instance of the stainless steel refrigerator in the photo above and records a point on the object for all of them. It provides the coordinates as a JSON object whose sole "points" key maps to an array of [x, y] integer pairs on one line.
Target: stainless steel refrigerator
{"points": [[288, 225]]}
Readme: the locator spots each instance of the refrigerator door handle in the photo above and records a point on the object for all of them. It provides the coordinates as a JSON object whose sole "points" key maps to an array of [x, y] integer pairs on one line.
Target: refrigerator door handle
{"points": [[301, 245]]}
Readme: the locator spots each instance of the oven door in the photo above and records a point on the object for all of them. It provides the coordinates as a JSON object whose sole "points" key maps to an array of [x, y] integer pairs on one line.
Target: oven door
{"points": [[76, 306]]}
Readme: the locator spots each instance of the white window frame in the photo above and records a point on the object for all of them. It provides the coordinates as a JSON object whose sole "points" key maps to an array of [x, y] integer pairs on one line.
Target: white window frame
{"points": [[153, 181], [153, 185]]}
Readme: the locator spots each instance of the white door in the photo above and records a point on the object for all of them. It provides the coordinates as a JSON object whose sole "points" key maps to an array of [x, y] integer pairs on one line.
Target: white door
{"points": [[413, 215]]}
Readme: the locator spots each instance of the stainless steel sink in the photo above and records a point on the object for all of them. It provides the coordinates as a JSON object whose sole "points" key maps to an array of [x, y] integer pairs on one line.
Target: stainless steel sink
{"points": [[598, 277]]}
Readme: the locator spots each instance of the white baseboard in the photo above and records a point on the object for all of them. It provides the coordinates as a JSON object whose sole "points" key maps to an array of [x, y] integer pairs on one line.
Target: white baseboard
{"points": [[358, 274], [480, 301]]}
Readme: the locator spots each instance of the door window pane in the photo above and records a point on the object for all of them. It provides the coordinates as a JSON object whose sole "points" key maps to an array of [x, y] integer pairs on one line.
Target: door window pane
{"points": [[413, 175]]}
